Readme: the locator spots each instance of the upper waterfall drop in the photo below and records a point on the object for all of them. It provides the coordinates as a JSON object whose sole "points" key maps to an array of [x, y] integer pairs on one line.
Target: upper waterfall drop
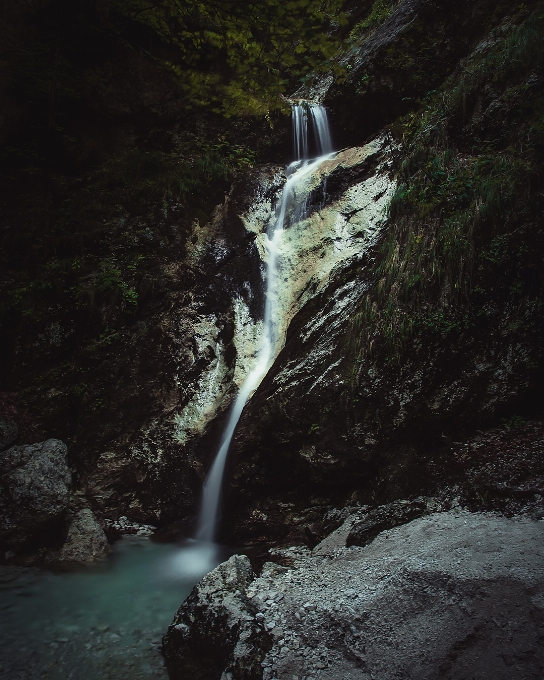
{"points": [[322, 130], [270, 342], [320, 124], [300, 132]]}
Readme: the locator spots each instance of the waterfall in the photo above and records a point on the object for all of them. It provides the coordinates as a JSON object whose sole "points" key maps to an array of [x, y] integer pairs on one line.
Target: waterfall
{"points": [[322, 131], [270, 340], [300, 131]]}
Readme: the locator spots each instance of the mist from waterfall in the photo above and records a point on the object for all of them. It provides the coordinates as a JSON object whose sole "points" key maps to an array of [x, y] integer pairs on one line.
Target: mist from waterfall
{"points": [[289, 205]]}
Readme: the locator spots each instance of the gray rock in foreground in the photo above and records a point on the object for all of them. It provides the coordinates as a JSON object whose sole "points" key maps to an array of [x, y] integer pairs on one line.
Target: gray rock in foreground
{"points": [[452, 595], [86, 540], [216, 627], [34, 489]]}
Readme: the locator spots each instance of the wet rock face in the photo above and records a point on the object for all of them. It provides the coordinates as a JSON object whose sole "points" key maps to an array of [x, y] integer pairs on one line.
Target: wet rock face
{"points": [[207, 338], [34, 489], [317, 427], [185, 368], [409, 53], [86, 541], [215, 633], [323, 259], [453, 595]]}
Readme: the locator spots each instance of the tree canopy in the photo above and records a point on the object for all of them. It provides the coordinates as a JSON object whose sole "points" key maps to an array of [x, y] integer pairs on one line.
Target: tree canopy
{"points": [[239, 56]]}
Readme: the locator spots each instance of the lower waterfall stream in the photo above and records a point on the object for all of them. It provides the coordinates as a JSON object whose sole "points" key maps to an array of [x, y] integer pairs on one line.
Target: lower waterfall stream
{"points": [[293, 205], [106, 620]]}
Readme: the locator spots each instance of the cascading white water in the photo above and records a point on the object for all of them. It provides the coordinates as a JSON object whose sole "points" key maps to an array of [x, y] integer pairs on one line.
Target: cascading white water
{"points": [[270, 340], [322, 130], [300, 131]]}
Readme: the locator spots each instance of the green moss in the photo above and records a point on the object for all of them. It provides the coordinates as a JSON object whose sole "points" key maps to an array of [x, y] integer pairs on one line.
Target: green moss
{"points": [[138, 179], [466, 201], [380, 12], [513, 422]]}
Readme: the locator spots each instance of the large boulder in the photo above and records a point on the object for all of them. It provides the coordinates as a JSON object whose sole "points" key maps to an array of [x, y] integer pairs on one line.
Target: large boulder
{"points": [[215, 633], [86, 540], [34, 489], [451, 595]]}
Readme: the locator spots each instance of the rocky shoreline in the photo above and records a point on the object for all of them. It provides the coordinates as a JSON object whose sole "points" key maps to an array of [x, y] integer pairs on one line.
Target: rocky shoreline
{"points": [[435, 585], [443, 586], [450, 595]]}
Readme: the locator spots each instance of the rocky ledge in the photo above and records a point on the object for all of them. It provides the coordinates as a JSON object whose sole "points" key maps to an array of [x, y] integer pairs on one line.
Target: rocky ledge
{"points": [[448, 595]]}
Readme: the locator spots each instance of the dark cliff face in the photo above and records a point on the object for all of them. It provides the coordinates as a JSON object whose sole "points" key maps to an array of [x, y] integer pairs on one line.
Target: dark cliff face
{"points": [[415, 46], [107, 277], [445, 335], [105, 174]]}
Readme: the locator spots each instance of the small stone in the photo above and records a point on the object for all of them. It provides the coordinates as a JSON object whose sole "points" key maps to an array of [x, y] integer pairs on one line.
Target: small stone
{"points": [[86, 541]]}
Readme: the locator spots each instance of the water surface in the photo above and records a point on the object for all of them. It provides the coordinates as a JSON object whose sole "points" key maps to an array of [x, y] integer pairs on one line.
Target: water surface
{"points": [[102, 622]]}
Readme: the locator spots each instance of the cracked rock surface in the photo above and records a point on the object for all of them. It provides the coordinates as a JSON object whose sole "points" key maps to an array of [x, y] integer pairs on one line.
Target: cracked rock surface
{"points": [[449, 595], [34, 489]]}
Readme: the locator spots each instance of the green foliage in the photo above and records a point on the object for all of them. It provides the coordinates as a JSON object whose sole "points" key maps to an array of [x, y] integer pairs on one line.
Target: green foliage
{"points": [[140, 178], [107, 207], [513, 422], [108, 337], [381, 10], [31, 293], [239, 57], [62, 75], [109, 278], [465, 200]]}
